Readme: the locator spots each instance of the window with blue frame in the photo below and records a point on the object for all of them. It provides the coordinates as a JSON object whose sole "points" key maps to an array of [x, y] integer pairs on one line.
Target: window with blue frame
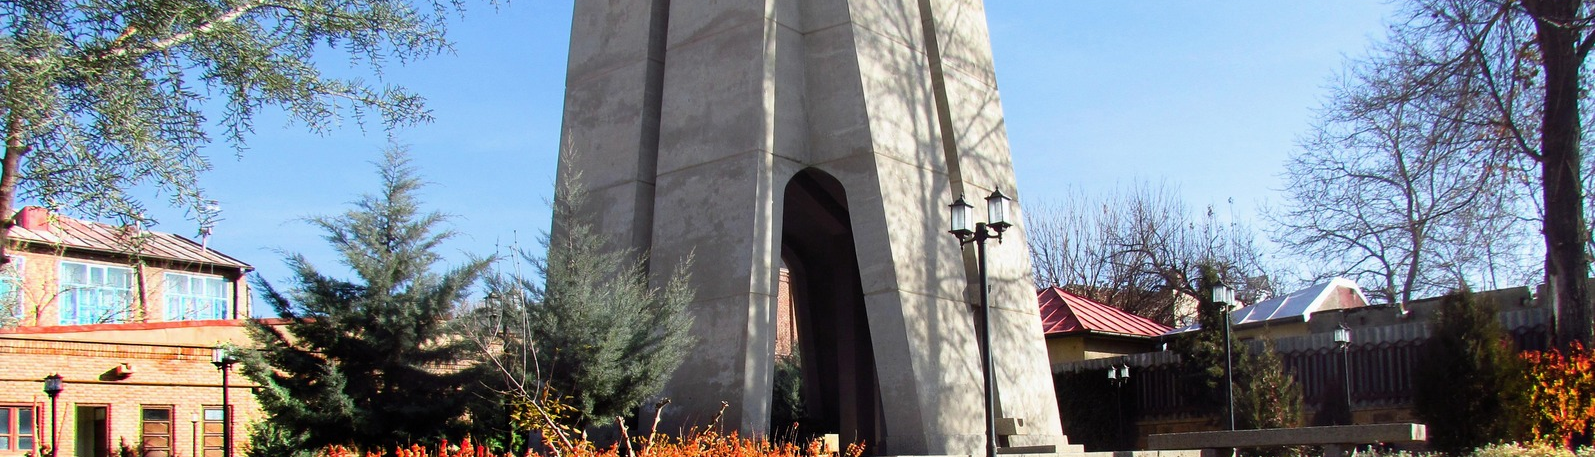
{"points": [[94, 294], [195, 297]]}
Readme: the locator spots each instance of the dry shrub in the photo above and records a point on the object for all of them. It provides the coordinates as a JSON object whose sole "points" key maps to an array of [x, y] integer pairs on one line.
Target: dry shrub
{"points": [[702, 444]]}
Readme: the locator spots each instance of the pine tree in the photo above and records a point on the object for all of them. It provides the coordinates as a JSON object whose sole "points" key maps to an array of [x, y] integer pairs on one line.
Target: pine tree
{"points": [[1468, 381], [1202, 354], [368, 362], [1266, 395], [787, 411], [594, 333]]}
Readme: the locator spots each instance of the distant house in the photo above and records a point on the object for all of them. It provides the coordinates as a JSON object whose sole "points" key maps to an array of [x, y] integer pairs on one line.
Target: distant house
{"points": [[1078, 328], [65, 271], [1287, 315], [129, 319]]}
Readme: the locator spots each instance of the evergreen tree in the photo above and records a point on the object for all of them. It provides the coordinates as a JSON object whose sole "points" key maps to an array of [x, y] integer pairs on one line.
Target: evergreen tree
{"points": [[787, 411], [368, 362], [595, 334], [1468, 380], [1202, 354], [1266, 396]]}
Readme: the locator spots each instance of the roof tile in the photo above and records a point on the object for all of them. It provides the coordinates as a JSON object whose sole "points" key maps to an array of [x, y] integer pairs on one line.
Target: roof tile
{"points": [[74, 233], [1064, 312]]}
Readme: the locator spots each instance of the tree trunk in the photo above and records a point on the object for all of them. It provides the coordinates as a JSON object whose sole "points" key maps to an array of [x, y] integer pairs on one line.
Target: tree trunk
{"points": [[9, 166], [1567, 263]]}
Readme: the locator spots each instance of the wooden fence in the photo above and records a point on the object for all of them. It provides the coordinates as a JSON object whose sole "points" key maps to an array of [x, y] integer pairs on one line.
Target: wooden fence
{"points": [[1381, 364]]}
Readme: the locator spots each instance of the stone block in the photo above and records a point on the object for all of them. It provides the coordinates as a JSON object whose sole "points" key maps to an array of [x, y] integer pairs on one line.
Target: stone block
{"points": [[833, 86], [1009, 426], [896, 20], [727, 233], [716, 98], [694, 20], [724, 366], [609, 130], [606, 35], [791, 126], [963, 40], [980, 136], [898, 97], [1335, 434]]}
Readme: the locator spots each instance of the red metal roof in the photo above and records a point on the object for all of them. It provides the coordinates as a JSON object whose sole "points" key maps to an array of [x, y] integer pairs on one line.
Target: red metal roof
{"points": [[73, 233], [1063, 312]]}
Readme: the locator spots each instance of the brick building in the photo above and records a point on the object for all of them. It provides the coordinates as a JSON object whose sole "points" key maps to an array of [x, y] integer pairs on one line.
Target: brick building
{"points": [[128, 318]]}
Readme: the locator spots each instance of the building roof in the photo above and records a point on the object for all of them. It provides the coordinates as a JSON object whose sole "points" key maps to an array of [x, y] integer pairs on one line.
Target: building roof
{"points": [[59, 230], [1336, 293], [1298, 306], [1063, 313]]}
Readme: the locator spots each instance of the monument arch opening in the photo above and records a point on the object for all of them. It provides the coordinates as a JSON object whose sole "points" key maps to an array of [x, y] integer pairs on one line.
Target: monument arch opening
{"points": [[840, 391]]}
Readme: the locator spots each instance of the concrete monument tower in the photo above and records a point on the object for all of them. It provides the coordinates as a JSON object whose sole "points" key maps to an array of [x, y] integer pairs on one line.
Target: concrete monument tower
{"points": [[827, 136]]}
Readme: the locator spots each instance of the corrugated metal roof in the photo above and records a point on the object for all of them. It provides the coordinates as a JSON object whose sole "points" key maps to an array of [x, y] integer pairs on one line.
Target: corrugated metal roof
{"points": [[1302, 303], [73, 233], [1336, 293], [1063, 312]]}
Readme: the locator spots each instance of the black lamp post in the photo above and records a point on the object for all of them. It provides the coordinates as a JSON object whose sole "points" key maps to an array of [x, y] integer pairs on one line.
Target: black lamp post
{"points": [[1118, 376], [224, 362], [53, 388], [1223, 295], [997, 211], [1343, 341]]}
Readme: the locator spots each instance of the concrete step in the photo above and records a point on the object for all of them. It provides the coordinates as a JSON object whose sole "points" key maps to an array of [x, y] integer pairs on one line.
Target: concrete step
{"points": [[1175, 453], [1075, 450]]}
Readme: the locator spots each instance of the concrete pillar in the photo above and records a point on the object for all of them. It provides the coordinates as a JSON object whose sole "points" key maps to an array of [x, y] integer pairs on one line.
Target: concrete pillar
{"points": [[687, 118]]}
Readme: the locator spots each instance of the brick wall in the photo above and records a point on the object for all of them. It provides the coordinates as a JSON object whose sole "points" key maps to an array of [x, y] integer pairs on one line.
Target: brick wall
{"points": [[785, 321], [175, 376]]}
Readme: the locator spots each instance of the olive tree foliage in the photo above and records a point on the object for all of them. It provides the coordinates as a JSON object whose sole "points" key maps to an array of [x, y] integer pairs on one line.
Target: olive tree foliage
{"points": [[1140, 249], [589, 331], [101, 96], [1394, 188], [1516, 69]]}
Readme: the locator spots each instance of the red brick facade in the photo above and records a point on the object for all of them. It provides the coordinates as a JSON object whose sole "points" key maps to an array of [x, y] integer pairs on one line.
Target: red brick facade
{"points": [[132, 377], [785, 319], [109, 385]]}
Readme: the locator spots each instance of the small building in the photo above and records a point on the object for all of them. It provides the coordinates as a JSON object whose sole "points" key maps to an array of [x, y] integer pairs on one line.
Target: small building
{"points": [[129, 320], [1078, 328], [1287, 315]]}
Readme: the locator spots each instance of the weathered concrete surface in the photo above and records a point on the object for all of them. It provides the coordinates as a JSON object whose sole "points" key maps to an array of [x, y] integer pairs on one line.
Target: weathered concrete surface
{"points": [[1336, 434], [687, 120]]}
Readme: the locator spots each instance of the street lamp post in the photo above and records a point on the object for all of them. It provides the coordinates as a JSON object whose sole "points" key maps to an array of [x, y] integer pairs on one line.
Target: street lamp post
{"points": [[997, 212], [1343, 341], [224, 362], [1224, 295], [1118, 376], [53, 387]]}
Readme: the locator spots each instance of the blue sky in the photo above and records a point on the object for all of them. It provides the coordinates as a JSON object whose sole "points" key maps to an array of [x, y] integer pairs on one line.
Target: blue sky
{"points": [[1206, 96]]}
